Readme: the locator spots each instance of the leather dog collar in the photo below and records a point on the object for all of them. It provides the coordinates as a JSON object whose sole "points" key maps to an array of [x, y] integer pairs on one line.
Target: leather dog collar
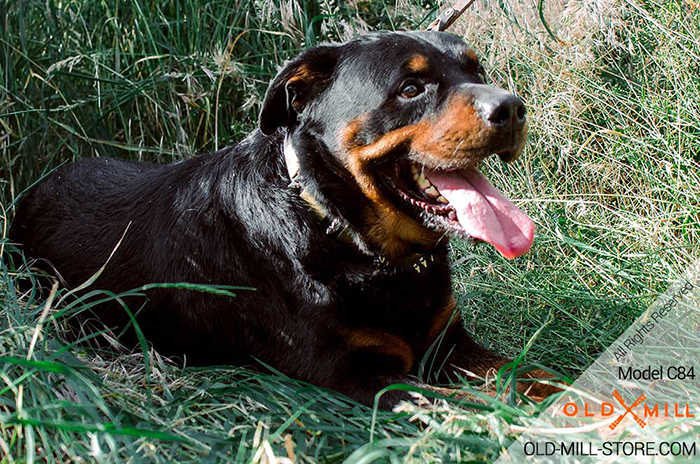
{"points": [[338, 228]]}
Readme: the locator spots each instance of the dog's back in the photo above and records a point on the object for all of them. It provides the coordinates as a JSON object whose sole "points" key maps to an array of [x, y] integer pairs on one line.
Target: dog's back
{"points": [[77, 215], [70, 216], [214, 219]]}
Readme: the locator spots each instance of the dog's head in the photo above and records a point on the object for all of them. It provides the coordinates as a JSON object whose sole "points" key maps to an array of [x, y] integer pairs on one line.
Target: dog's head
{"points": [[390, 129]]}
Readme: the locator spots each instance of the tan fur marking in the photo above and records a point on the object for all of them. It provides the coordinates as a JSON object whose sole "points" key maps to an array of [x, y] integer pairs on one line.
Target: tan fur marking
{"points": [[470, 60], [472, 55], [381, 342], [538, 390], [418, 64], [303, 77], [303, 73], [394, 231], [442, 320], [457, 136]]}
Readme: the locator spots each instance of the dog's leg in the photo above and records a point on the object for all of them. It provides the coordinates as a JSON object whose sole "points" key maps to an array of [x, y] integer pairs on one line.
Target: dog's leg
{"points": [[460, 354], [364, 385], [457, 353], [365, 390], [365, 361]]}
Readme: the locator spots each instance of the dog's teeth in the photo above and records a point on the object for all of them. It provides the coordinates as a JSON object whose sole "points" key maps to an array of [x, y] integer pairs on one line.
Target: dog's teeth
{"points": [[442, 199], [423, 182], [432, 192], [416, 173], [452, 215]]}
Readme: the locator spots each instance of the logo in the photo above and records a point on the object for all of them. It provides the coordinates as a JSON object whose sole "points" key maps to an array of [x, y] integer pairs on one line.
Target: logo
{"points": [[642, 398], [608, 409]]}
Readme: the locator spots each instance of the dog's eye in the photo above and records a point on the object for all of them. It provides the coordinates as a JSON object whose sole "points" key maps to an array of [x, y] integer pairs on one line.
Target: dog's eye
{"points": [[411, 89], [482, 73]]}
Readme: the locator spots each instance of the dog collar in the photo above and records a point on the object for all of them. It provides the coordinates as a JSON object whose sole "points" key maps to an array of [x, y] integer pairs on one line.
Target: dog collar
{"points": [[338, 228]]}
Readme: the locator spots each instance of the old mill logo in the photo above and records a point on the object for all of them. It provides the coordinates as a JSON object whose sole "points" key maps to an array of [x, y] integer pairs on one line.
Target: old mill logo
{"points": [[607, 409]]}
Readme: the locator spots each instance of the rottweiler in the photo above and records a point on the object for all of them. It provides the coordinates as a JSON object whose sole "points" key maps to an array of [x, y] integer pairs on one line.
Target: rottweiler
{"points": [[335, 211]]}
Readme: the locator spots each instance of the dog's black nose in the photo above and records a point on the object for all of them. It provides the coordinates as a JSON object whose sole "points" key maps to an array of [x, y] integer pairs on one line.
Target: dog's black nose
{"points": [[498, 108], [502, 109], [503, 116]]}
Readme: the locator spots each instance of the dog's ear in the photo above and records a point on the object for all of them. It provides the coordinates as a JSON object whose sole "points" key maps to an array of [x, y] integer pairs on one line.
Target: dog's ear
{"points": [[299, 82]]}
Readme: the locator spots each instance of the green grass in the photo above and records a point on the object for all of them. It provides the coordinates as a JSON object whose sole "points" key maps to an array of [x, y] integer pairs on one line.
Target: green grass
{"points": [[610, 175]]}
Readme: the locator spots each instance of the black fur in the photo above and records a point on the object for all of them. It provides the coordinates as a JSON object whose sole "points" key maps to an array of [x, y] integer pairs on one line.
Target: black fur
{"points": [[230, 218]]}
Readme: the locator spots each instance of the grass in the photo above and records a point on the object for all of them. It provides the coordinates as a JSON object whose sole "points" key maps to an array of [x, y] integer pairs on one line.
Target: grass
{"points": [[610, 175]]}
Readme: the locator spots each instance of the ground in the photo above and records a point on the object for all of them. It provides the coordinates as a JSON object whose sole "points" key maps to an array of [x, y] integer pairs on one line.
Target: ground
{"points": [[609, 174]]}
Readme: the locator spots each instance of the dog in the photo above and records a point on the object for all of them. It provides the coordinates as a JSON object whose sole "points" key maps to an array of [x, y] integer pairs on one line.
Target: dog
{"points": [[335, 212]]}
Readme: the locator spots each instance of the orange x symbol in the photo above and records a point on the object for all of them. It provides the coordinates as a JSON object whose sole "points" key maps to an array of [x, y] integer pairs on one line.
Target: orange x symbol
{"points": [[636, 403]]}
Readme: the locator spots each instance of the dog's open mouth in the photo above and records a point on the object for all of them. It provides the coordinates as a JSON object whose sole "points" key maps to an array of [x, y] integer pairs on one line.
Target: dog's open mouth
{"points": [[463, 201]]}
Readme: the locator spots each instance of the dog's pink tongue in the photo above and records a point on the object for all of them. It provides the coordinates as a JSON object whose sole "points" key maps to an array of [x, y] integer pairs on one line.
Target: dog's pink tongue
{"points": [[483, 212]]}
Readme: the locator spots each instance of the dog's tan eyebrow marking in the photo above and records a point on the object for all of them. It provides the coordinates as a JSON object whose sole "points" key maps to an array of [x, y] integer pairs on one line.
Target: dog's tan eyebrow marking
{"points": [[418, 64], [470, 60], [381, 342], [304, 76]]}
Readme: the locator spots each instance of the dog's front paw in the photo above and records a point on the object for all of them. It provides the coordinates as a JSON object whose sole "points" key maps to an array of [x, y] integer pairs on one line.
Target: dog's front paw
{"points": [[540, 387]]}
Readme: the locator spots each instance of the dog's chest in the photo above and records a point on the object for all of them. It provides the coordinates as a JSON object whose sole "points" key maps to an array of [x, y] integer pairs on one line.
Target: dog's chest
{"points": [[401, 299]]}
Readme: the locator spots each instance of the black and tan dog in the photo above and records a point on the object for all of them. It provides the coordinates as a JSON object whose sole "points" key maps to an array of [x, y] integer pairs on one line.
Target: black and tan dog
{"points": [[336, 211]]}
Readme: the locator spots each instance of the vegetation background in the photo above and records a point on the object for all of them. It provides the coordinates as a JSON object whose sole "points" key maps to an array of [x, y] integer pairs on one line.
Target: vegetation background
{"points": [[610, 175]]}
